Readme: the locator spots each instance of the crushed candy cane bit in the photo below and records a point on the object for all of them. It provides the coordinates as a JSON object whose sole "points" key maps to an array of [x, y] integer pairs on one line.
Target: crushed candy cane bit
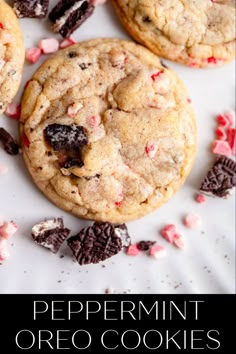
{"points": [[13, 111], [231, 137], [67, 42], [192, 221], [220, 133], [25, 140], [179, 241], [49, 45], [151, 150], [168, 232], [221, 147], [33, 54], [94, 121], [74, 108], [157, 251], [132, 250], [4, 253], [8, 229], [200, 198], [155, 74], [2, 63]]}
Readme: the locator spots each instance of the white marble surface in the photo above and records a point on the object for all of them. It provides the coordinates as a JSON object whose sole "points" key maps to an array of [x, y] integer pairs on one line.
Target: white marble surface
{"points": [[208, 263]]}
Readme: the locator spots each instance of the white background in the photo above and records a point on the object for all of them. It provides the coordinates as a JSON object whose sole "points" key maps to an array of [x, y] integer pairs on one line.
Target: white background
{"points": [[206, 266]]}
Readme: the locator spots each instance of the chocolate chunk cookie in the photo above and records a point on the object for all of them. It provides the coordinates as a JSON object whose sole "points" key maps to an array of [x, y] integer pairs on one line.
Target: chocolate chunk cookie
{"points": [[11, 55], [195, 33], [108, 132]]}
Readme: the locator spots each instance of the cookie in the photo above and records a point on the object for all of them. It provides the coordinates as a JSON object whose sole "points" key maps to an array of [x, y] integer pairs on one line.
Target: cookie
{"points": [[11, 55], [195, 33], [108, 132]]}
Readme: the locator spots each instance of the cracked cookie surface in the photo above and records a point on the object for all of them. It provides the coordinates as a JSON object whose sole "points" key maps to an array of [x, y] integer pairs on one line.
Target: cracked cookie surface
{"points": [[108, 132], [197, 33], [11, 55]]}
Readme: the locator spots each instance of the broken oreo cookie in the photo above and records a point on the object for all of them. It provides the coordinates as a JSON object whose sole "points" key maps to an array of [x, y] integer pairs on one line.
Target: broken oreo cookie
{"points": [[9, 143], [68, 15], [221, 178], [98, 242], [68, 137], [50, 234], [31, 8]]}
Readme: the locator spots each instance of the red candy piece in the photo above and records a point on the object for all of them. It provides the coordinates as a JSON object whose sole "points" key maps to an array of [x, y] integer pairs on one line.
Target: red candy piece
{"points": [[1, 26], [33, 55], [25, 140], [222, 120], [212, 60], [231, 137], [179, 241], [200, 198], [230, 116], [49, 45], [133, 250], [220, 133], [8, 229], [157, 251], [156, 74], [221, 147], [13, 111]]}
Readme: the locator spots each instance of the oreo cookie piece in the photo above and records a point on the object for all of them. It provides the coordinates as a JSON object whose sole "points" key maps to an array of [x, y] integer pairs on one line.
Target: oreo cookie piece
{"points": [[50, 234], [98, 242], [8, 142], [31, 8], [68, 15], [67, 137], [221, 178]]}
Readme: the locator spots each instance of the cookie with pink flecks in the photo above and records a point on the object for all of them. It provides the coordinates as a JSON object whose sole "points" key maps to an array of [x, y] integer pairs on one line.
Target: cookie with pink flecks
{"points": [[115, 134], [11, 55], [166, 27]]}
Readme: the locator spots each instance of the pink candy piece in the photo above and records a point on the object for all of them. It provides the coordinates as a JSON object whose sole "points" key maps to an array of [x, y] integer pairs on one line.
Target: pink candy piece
{"points": [[189, 100], [13, 110], [179, 241], [168, 232], [4, 253], [33, 55], [221, 147], [8, 229], [49, 45], [157, 251], [192, 221], [230, 116], [227, 118], [2, 63], [220, 133], [133, 250], [94, 121], [151, 150], [200, 198], [3, 170], [231, 137], [67, 43]]}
